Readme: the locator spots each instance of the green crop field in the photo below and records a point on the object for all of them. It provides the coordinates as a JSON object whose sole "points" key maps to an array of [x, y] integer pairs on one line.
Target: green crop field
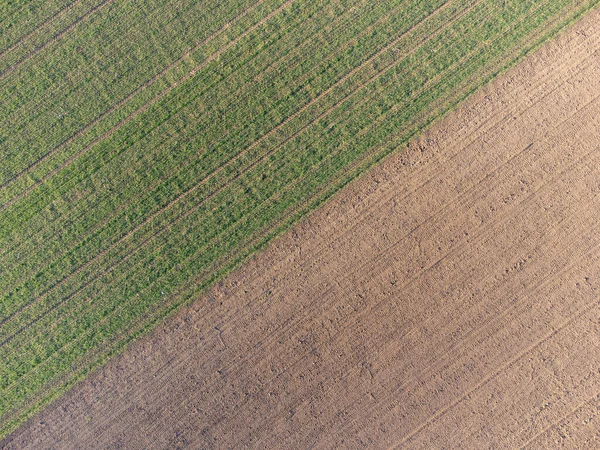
{"points": [[149, 147]]}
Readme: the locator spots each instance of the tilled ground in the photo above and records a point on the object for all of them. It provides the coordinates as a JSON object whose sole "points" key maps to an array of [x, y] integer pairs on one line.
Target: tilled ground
{"points": [[447, 299]]}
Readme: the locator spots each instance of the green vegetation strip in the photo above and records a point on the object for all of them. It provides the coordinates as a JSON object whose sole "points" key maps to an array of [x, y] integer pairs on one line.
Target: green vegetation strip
{"points": [[150, 147]]}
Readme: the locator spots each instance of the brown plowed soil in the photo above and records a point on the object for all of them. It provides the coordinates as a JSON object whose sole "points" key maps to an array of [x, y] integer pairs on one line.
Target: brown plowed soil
{"points": [[448, 299]]}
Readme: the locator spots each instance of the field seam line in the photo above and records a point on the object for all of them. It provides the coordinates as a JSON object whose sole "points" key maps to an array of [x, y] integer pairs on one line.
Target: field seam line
{"points": [[166, 179], [145, 222], [529, 106], [471, 142], [147, 295], [432, 265], [185, 163], [192, 282], [253, 144], [197, 279]]}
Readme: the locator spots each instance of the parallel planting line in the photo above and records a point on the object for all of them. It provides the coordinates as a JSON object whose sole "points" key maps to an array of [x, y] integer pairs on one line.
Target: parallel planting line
{"points": [[488, 232], [290, 188], [366, 313], [135, 230], [580, 313], [237, 157], [129, 97], [215, 267], [497, 317], [172, 137], [472, 136], [240, 227], [53, 172], [142, 109], [556, 423]]}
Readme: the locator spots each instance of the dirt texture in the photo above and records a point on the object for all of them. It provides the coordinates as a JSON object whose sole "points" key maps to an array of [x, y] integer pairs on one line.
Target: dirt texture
{"points": [[450, 298]]}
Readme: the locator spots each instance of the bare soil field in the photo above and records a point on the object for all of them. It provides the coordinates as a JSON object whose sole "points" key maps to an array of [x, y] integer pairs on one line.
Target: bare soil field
{"points": [[447, 299]]}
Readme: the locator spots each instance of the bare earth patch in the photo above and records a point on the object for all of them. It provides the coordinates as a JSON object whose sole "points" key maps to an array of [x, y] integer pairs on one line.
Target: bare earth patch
{"points": [[447, 299]]}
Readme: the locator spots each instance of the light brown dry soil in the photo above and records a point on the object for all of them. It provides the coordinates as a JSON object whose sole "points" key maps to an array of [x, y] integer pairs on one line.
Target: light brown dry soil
{"points": [[450, 298]]}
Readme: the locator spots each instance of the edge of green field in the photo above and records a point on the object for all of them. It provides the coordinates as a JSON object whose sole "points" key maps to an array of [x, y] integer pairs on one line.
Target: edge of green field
{"points": [[344, 177]]}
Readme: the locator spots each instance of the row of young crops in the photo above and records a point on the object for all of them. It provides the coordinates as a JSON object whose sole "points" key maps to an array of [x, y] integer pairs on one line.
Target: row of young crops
{"points": [[150, 147]]}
